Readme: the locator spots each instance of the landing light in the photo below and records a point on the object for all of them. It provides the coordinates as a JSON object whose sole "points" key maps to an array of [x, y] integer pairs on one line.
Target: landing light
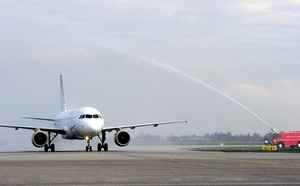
{"points": [[87, 138]]}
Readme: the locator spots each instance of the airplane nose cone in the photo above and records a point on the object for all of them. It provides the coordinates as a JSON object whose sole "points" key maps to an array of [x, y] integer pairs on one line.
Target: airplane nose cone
{"points": [[96, 126], [91, 128]]}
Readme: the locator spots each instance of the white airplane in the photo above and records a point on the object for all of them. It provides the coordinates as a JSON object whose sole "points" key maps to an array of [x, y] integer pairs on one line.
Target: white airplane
{"points": [[80, 124]]}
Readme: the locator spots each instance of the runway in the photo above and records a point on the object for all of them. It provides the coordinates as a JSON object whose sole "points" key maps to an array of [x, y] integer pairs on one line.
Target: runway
{"points": [[148, 167]]}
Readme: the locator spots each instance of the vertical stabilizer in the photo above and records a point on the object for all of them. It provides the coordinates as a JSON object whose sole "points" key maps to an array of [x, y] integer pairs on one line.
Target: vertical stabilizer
{"points": [[62, 95]]}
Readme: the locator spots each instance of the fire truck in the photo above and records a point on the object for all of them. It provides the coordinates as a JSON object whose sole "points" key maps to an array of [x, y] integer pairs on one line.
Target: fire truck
{"points": [[283, 139]]}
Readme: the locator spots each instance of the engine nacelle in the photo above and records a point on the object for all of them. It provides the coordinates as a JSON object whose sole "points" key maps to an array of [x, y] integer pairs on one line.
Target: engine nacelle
{"points": [[122, 138], [39, 138]]}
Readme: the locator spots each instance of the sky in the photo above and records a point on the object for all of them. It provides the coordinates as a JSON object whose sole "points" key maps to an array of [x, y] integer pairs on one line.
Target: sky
{"points": [[145, 61]]}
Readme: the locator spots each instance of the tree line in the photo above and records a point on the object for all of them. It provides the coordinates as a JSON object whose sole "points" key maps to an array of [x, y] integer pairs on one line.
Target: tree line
{"points": [[219, 137]]}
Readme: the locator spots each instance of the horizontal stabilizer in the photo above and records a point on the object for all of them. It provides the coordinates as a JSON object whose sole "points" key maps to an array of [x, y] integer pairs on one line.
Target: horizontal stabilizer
{"points": [[45, 129], [43, 119]]}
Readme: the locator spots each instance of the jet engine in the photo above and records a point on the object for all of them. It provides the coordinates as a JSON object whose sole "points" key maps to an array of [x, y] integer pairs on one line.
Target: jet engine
{"points": [[122, 138], [39, 138]]}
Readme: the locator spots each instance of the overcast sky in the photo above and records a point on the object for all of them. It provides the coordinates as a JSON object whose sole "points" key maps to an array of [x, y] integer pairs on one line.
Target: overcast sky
{"points": [[144, 61]]}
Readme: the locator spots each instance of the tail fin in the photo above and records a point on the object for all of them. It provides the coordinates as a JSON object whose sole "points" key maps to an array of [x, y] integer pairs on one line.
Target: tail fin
{"points": [[62, 95]]}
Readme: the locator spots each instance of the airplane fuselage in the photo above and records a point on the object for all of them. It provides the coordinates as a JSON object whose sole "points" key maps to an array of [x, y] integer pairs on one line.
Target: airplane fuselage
{"points": [[80, 123]]}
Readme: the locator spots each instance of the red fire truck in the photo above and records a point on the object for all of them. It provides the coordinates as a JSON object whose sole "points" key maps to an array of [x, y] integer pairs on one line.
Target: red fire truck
{"points": [[283, 139]]}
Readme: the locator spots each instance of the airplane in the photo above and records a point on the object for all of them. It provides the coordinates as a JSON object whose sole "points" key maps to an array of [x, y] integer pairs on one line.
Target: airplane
{"points": [[80, 124]]}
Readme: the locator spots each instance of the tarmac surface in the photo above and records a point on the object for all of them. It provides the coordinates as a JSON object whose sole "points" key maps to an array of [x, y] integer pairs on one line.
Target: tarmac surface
{"points": [[149, 167]]}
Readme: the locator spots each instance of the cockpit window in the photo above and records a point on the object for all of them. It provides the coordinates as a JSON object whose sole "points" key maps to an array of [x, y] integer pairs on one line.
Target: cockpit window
{"points": [[90, 116]]}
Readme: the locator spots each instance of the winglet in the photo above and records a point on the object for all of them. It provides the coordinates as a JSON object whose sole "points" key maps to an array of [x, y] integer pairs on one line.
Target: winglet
{"points": [[62, 95], [186, 121]]}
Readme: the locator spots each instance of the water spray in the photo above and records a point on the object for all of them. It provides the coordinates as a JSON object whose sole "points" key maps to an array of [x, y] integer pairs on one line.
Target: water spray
{"points": [[174, 70]]}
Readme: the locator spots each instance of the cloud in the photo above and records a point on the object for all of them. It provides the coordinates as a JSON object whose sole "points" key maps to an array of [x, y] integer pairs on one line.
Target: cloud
{"points": [[255, 7], [266, 11], [70, 52], [287, 92], [249, 90]]}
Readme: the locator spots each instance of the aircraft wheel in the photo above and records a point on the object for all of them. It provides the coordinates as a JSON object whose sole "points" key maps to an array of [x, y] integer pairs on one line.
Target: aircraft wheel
{"points": [[52, 147], [86, 148], [46, 148], [105, 146], [90, 149], [99, 147]]}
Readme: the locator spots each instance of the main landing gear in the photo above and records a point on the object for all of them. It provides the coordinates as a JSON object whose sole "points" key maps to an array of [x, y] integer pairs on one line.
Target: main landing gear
{"points": [[50, 145], [100, 146]]}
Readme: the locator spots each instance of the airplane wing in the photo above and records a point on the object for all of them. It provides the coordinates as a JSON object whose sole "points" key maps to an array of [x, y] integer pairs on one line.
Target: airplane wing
{"points": [[54, 130], [109, 129]]}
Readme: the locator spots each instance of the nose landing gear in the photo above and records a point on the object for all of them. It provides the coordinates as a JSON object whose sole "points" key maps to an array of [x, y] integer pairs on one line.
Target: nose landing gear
{"points": [[88, 141], [100, 146]]}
